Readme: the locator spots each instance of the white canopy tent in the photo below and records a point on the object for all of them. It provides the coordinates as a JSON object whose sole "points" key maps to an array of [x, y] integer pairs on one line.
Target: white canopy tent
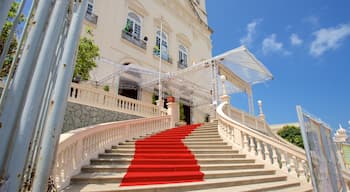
{"points": [[240, 67]]}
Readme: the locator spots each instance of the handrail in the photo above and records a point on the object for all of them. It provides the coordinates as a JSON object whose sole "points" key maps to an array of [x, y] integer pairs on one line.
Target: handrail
{"points": [[78, 146], [247, 119], [269, 149], [85, 95], [257, 124]]}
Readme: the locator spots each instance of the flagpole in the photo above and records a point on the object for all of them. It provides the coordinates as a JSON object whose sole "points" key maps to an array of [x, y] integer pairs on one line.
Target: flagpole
{"points": [[160, 98]]}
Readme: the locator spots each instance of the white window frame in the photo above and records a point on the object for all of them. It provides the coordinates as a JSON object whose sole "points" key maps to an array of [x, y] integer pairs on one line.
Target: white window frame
{"points": [[183, 56], [135, 21], [165, 44]]}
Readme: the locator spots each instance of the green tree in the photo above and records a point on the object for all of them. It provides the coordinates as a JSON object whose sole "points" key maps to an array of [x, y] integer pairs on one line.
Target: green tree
{"points": [[3, 37], [88, 51], [292, 134]]}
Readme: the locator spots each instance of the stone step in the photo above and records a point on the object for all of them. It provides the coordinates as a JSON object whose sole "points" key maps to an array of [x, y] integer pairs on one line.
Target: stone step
{"points": [[120, 155], [126, 161], [208, 167], [202, 140], [288, 185], [173, 146], [159, 151], [203, 136], [304, 188], [206, 185], [219, 142], [102, 177], [206, 129]]}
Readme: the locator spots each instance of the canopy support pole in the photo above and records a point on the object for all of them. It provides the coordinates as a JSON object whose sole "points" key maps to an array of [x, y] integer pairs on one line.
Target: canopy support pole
{"points": [[250, 101]]}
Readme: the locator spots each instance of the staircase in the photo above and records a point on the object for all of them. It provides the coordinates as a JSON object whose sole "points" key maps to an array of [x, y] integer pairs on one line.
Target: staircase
{"points": [[162, 163]]}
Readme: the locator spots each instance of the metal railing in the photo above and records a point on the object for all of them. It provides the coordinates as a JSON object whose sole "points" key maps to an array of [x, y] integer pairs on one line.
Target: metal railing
{"points": [[136, 41]]}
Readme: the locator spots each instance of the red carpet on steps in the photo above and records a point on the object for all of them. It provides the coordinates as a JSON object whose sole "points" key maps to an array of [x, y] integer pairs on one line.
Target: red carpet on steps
{"points": [[163, 158]]}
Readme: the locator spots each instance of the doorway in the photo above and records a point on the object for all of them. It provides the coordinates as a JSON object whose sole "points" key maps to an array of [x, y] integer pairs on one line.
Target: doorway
{"points": [[128, 88]]}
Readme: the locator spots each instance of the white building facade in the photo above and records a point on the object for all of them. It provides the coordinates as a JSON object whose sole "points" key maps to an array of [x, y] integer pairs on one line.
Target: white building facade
{"points": [[136, 31]]}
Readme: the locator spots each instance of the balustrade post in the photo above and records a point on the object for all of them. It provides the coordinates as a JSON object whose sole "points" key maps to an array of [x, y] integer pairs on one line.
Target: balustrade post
{"points": [[293, 168], [232, 136], [252, 145], [261, 114], [267, 154], [301, 170], [245, 142], [275, 157], [283, 162], [259, 149], [224, 97]]}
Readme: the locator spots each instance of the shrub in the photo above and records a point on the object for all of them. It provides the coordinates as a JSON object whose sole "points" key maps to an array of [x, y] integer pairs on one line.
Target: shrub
{"points": [[292, 134]]}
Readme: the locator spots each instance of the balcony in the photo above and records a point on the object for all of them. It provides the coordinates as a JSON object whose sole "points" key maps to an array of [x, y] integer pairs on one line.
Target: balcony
{"points": [[181, 64], [91, 17], [165, 57], [136, 41]]}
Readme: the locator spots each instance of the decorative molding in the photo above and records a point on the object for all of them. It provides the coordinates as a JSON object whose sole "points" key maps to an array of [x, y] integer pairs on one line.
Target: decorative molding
{"points": [[166, 26], [183, 39], [136, 6]]}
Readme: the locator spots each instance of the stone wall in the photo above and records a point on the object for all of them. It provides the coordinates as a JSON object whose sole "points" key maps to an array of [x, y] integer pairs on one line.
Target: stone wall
{"points": [[78, 115]]}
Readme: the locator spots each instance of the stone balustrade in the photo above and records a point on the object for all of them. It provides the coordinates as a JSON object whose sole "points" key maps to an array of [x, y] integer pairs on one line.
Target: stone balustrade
{"points": [[247, 119], [77, 147], [86, 95], [236, 130]]}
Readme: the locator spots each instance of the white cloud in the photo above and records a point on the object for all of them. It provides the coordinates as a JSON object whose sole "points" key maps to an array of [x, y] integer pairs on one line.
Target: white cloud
{"points": [[248, 39], [328, 38], [295, 39], [313, 20], [270, 44]]}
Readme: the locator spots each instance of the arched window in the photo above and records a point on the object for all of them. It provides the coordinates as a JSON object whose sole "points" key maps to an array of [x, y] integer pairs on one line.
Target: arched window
{"points": [[133, 25], [164, 47], [182, 57]]}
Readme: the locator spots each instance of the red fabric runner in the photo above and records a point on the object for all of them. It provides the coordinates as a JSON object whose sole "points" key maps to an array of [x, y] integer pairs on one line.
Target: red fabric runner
{"points": [[163, 158]]}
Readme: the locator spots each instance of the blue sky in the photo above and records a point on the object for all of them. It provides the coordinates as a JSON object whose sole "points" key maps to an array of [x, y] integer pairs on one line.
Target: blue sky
{"points": [[306, 46]]}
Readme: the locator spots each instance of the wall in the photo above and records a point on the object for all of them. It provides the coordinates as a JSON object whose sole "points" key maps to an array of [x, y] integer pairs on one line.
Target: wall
{"points": [[78, 116], [181, 24]]}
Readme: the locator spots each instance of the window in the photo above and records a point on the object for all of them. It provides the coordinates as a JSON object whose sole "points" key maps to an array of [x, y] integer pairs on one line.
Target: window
{"points": [[90, 8], [164, 47], [133, 25], [182, 57]]}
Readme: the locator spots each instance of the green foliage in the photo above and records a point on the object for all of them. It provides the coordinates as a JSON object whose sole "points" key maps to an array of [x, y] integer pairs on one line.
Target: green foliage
{"points": [[182, 112], [106, 88], [88, 51], [154, 99], [292, 134], [128, 27], [3, 37]]}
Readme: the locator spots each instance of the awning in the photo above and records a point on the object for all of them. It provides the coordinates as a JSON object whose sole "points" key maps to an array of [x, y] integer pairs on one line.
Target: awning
{"points": [[244, 64], [240, 67]]}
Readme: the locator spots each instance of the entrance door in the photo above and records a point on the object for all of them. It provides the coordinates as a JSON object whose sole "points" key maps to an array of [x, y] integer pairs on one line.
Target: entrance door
{"points": [[187, 112], [128, 88]]}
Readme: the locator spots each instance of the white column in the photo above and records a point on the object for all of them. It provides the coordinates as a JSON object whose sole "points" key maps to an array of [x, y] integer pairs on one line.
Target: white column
{"points": [[224, 97], [173, 111]]}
